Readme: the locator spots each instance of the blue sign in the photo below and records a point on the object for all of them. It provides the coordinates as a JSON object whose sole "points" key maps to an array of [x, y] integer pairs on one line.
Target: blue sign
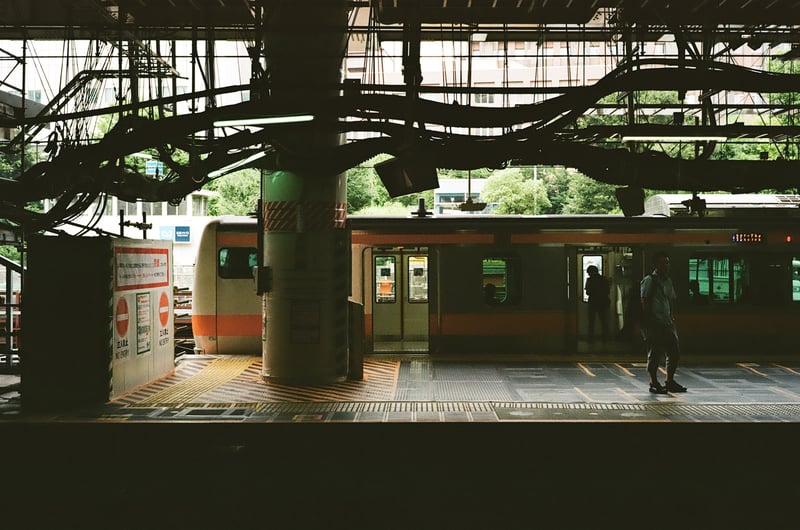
{"points": [[153, 167], [182, 234], [166, 233]]}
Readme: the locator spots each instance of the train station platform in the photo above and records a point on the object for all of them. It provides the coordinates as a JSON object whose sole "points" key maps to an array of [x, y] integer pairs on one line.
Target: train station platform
{"points": [[420, 388], [419, 442]]}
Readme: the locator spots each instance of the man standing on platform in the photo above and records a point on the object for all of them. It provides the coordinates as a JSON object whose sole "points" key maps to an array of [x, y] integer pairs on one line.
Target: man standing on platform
{"points": [[658, 297]]}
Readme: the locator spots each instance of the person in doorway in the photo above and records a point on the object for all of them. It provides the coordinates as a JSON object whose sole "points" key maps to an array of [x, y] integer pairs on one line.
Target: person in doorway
{"points": [[698, 298], [490, 294], [597, 289], [658, 298]]}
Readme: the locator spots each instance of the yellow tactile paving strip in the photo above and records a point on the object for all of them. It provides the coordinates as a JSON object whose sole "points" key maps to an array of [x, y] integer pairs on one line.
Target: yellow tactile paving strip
{"points": [[238, 380], [215, 374]]}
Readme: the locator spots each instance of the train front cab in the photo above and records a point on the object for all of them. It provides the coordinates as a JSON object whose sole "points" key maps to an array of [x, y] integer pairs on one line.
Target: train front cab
{"points": [[226, 311]]}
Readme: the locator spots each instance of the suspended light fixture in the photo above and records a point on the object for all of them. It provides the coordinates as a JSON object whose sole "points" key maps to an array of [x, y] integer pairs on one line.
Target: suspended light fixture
{"points": [[265, 120], [239, 163]]}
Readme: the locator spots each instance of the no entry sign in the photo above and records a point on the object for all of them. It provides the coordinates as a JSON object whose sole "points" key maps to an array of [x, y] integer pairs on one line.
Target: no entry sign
{"points": [[163, 309], [122, 317]]}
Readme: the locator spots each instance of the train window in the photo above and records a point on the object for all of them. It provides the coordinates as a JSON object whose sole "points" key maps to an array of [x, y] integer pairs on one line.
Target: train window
{"points": [[237, 262], [385, 291], [499, 280], [721, 279], [759, 280], [418, 279]]}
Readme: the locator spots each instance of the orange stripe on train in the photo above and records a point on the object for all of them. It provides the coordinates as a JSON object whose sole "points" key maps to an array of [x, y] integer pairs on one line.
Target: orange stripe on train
{"points": [[611, 237], [365, 238], [236, 239]]}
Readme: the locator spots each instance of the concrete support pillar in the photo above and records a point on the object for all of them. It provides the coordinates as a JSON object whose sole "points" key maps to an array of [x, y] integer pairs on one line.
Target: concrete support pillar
{"points": [[305, 245]]}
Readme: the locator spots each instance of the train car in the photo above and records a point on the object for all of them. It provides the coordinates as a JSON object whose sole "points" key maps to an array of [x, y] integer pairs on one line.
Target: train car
{"points": [[226, 311], [423, 281]]}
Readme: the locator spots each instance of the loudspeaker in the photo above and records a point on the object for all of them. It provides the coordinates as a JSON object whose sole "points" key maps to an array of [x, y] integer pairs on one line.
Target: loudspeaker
{"points": [[631, 200], [404, 176]]}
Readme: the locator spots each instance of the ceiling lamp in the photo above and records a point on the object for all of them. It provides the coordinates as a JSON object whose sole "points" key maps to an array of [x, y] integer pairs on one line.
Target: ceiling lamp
{"points": [[235, 165], [265, 120]]}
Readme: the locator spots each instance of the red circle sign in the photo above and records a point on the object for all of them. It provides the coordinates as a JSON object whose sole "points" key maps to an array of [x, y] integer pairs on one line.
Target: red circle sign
{"points": [[122, 317], [163, 309]]}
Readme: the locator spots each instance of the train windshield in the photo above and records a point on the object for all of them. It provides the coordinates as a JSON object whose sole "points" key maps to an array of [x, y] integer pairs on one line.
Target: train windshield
{"points": [[237, 262]]}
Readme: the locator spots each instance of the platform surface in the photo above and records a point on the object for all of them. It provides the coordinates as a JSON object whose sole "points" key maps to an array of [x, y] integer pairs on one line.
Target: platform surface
{"points": [[423, 389]]}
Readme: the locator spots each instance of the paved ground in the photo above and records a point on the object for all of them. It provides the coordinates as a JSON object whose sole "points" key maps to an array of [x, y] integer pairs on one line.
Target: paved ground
{"points": [[421, 389]]}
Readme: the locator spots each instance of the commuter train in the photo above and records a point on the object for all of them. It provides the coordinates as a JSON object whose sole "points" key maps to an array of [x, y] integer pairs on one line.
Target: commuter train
{"points": [[423, 281]]}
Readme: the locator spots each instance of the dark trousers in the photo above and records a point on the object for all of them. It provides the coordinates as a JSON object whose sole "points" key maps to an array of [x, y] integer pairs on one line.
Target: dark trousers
{"points": [[598, 312], [662, 341]]}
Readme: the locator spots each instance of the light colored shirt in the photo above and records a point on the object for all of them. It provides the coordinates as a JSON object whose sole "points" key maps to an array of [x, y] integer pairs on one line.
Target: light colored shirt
{"points": [[661, 294]]}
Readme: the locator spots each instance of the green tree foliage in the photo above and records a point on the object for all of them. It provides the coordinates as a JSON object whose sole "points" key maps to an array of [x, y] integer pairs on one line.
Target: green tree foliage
{"points": [[515, 193], [364, 189], [10, 252], [588, 196], [238, 193], [556, 183], [10, 163], [387, 208]]}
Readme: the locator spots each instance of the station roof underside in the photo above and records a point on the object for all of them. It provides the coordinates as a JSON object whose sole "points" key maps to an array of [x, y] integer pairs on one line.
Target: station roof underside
{"points": [[176, 18], [423, 135]]}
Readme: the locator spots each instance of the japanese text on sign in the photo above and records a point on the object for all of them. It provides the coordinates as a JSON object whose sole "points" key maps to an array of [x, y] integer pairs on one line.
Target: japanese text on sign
{"points": [[138, 268]]}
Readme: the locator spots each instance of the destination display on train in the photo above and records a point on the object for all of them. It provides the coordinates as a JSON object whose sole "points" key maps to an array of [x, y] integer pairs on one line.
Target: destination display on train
{"points": [[748, 237]]}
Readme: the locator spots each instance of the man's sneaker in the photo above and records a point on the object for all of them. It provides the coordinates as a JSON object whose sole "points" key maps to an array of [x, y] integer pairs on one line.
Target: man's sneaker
{"points": [[672, 386], [657, 388]]}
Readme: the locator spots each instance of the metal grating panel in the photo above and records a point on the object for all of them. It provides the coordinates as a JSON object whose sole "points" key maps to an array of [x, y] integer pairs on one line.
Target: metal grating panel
{"points": [[466, 373], [452, 391]]}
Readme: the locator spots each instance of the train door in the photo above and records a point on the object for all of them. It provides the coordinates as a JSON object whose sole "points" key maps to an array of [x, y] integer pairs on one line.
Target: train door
{"points": [[615, 265], [400, 306]]}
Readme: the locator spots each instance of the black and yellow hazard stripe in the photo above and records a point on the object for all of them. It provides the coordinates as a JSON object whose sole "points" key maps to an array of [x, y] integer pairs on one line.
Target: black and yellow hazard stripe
{"points": [[184, 371], [238, 379]]}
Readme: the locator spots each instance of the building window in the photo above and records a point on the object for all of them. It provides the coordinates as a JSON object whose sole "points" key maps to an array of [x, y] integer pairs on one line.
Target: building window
{"points": [[199, 205], [180, 209], [130, 208]]}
